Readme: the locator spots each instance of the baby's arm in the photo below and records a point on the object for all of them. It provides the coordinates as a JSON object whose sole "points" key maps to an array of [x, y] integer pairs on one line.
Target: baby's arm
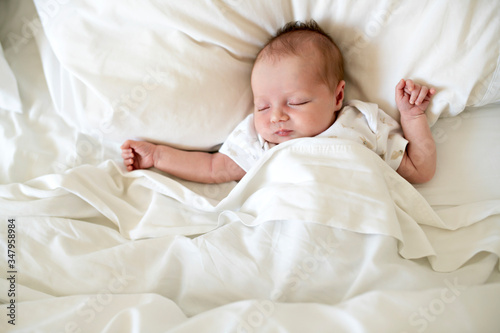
{"points": [[194, 166], [419, 161]]}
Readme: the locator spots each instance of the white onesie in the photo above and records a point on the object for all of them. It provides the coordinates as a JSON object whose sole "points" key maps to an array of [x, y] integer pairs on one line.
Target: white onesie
{"points": [[358, 121]]}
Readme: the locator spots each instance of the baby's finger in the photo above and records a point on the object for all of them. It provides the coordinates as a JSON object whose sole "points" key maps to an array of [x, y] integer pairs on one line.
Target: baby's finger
{"points": [[400, 89], [127, 153], [414, 94], [126, 144], [422, 95], [129, 163], [430, 93], [410, 85]]}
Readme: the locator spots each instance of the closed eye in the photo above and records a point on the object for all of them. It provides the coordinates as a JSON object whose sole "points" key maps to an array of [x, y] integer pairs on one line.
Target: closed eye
{"points": [[299, 103]]}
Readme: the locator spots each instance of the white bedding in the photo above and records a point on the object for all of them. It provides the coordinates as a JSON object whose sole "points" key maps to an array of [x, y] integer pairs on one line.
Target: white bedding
{"points": [[317, 221], [321, 236]]}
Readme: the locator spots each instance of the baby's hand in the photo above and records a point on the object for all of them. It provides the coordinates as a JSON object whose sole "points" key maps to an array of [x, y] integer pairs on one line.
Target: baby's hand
{"points": [[138, 154], [411, 98]]}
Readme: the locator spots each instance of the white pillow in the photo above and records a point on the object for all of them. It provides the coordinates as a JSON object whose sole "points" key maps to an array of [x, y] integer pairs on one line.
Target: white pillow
{"points": [[178, 72], [453, 46], [9, 93]]}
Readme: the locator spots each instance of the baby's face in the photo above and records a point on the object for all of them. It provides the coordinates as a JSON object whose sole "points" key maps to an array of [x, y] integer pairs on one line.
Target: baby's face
{"points": [[290, 99]]}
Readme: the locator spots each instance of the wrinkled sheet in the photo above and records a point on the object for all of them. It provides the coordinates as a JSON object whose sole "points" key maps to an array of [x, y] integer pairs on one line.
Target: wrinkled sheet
{"points": [[322, 235]]}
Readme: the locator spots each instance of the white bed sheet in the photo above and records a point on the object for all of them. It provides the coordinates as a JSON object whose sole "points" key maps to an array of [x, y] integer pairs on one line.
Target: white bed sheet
{"points": [[350, 228], [94, 257]]}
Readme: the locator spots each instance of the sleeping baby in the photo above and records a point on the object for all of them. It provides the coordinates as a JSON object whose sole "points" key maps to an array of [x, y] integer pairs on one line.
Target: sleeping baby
{"points": [[298, 89]]}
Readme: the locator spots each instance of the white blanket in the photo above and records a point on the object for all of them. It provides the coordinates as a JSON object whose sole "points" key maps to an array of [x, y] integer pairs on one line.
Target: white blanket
{"points": [[321, 236]]}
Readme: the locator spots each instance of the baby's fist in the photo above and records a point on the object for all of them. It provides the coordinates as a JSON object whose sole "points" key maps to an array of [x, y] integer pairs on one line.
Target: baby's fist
{"points": [[413, 98], [138, 154]]}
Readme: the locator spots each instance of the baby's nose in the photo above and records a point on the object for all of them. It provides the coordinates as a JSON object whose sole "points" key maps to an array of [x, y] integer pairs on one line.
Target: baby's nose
{"points": [[278, 115]]}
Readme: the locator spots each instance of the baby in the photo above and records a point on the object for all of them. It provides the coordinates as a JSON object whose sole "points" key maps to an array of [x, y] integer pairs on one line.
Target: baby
{"points": [[298, 89]]}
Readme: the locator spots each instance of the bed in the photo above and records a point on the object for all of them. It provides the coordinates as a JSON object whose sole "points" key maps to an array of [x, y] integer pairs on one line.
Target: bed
{"points": [[321, 236]]}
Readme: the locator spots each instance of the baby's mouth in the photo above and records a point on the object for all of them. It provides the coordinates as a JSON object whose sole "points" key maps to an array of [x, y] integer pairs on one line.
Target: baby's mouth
{"points": [[283, 132]]}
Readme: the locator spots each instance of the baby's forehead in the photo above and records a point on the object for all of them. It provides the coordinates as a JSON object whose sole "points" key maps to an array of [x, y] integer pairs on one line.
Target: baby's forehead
{"points": [[291, 70], [309, 58]]}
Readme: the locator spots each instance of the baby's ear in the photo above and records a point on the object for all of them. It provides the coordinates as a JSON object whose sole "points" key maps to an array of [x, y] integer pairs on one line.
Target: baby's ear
{"points": [[339, 95]]}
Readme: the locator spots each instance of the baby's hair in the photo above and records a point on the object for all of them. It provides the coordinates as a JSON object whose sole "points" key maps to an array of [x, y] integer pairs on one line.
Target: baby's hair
{"points": [[290, 40]]}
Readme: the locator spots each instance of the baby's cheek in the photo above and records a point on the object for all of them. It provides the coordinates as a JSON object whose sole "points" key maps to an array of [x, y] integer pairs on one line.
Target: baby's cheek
{"points": [[260, 125]]}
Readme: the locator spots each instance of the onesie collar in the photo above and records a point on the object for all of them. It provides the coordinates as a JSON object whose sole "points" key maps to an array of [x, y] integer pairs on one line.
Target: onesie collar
{"points": [[369, 110]]}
